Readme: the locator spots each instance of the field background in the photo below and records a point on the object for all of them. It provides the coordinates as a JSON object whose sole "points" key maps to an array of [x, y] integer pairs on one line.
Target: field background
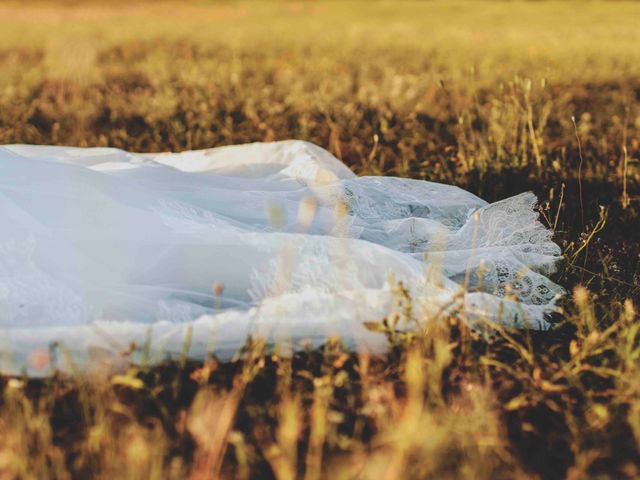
{"points": [[497, 97]]}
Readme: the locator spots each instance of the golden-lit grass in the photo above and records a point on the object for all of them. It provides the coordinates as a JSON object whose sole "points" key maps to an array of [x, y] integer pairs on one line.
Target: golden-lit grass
{"points": [[497, 97]]}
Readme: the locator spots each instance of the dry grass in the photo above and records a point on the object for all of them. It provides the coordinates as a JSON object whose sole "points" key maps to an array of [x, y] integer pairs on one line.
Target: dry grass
{"points": [[495, 97]]}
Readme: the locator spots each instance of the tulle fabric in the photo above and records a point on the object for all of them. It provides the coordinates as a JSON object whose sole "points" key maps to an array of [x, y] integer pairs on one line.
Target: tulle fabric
{"points": [[197, 251]]}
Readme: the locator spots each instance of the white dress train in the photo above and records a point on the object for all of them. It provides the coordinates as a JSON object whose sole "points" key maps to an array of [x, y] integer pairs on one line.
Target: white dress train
{"points": [[101, 248]]}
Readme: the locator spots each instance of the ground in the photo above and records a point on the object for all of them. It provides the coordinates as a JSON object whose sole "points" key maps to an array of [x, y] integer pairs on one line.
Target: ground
{"points": [[496, 97]]}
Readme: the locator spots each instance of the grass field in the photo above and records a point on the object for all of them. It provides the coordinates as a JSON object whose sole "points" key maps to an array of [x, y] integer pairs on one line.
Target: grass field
{"points": [[496, 97]]}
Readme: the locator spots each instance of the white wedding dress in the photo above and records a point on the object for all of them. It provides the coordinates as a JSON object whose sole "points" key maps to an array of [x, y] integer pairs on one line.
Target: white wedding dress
{"points": [[101, 248]]}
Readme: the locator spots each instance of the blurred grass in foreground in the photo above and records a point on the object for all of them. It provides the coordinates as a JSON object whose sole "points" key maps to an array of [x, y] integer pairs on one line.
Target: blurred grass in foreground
{"points": [[496, 97]]}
